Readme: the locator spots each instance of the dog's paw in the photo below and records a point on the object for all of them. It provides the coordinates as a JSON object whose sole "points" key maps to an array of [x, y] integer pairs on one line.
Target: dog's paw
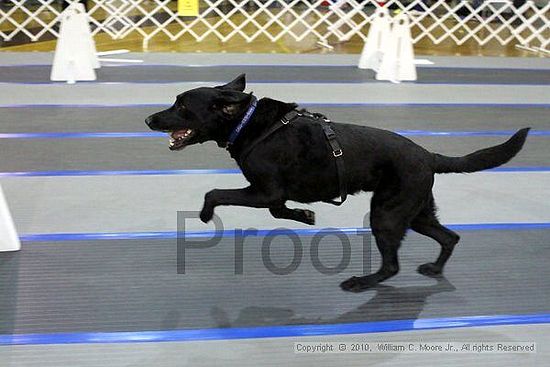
{"points": [[308, 216], [429, 269], [206, 214], [359, 284]]}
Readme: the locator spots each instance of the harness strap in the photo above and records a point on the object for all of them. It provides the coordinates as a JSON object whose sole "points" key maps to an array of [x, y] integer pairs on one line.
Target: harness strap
{"points": [[288, 118], [329, 134], [340, 167]]}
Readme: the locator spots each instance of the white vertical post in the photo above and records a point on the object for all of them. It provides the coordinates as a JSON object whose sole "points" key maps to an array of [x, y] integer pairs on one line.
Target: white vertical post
{"points": [[398, 61], [377, 40], [75, 57], [9, 241]]}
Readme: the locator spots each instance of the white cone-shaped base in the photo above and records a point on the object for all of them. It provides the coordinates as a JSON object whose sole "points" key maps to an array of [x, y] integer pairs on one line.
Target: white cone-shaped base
{"points": [[398, 61], [75, 54], [87, 34], [9, 241], [372, 53]]}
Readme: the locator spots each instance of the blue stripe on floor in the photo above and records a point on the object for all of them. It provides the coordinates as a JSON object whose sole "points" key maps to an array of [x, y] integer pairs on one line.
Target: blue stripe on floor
{"points": [[423, 105], [61, 237], [283, 65], [223, 171], [303, 104], [519, 169], [291, 81], [215, 171], [305, 81], [83, 135], [274, 331], [152, 134], [286, 65]]}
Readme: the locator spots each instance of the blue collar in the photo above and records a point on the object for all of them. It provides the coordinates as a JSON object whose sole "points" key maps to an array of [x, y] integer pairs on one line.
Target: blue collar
{"points": [[235, 133]]}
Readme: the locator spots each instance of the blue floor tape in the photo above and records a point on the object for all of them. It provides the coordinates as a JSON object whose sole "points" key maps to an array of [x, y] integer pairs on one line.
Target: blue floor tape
{"points": [[230, 171], [292, 81], [273, 331], [151, 134], [213, 171], [60, 237], [303, 104]]}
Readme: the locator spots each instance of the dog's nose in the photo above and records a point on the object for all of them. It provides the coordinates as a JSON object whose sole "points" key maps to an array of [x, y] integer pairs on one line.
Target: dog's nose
{"points": [[149, 121]]}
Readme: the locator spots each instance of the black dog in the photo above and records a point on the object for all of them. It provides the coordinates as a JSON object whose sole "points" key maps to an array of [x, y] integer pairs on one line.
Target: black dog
{"points": [[296, 162]]}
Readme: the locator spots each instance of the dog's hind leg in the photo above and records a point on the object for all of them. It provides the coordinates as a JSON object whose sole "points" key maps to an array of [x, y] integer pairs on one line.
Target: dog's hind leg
{"points": [[299, 215], [426, 223], [393, 207], [388, 240]]}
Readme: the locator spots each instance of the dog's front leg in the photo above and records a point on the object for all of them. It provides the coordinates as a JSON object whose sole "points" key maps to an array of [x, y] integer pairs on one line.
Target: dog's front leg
{"points": [[248, 196], [299, 215]]}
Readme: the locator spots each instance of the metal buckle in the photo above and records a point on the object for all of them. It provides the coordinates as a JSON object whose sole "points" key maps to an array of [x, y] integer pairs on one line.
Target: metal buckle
{"points": [[286, 121], [337, 153]]}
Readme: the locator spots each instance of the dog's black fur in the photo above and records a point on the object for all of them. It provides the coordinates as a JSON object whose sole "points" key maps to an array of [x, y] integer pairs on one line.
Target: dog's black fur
{"points": [[296, 163]]}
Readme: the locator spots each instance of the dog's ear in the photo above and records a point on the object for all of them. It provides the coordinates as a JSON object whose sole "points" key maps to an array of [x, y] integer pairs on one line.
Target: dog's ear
{"points": [[238, 84], [231, 103]]}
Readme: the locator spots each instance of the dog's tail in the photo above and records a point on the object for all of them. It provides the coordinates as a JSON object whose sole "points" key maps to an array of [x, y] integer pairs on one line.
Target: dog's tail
{"points": [[482, 159]]}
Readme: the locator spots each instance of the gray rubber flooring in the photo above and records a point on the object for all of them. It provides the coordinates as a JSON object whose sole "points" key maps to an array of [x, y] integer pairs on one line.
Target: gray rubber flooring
{"points": [[276, 352], [133, 285], [239, 59], [116, 94], [153, 153], [138, 203], [393, 117], [271, 74]]}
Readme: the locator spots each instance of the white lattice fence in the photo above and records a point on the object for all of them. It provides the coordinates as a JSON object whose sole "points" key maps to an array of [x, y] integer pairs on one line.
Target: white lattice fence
{"points": [[435, 20]]}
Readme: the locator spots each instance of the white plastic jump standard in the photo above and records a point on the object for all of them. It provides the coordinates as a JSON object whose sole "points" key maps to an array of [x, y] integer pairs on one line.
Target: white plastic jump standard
{"points": [[9, 241], [398, 60], [377, 39], [75, 53]]}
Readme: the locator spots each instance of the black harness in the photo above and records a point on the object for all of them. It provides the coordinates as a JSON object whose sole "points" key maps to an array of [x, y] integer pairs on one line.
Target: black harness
{"points": [[337, 152]]}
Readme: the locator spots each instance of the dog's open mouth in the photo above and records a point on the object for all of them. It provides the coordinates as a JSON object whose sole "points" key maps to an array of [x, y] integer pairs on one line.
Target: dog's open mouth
{"points": [[180, 138]]}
